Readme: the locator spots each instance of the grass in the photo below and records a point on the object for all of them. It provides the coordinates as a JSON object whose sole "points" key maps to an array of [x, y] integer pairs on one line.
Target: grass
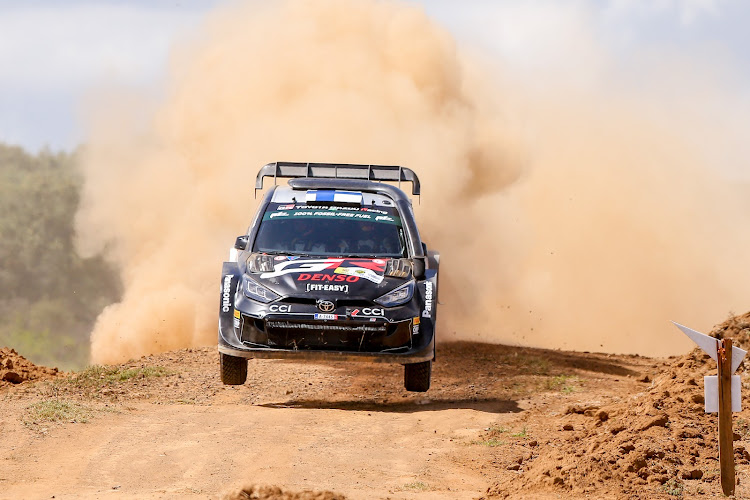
{"points": [[96, 374], [415, 486], [674, 488], [495, 429], [521, 434], [492, 438], [491, 442], [96, 377], [56, 410], [563, 383]]}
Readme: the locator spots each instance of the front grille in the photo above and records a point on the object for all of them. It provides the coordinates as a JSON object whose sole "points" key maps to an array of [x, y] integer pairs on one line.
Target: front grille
{"points": [[348, 327], [327, 335]]}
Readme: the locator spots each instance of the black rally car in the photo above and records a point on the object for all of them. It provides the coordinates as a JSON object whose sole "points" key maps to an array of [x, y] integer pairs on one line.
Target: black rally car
{"points": [[332, 267]]}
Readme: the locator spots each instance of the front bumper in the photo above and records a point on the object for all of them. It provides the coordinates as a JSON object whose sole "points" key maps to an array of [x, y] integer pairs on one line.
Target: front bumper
{"points": [[294, 328], [283, 338], [302, 337]]}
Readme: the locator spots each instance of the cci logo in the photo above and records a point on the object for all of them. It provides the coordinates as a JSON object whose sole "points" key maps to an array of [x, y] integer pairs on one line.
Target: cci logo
{"points": [[282, 308], [368, 311]]}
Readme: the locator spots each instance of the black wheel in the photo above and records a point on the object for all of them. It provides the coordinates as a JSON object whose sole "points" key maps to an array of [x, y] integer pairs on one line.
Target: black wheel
{"points": [[233, 369], [417, 376]]}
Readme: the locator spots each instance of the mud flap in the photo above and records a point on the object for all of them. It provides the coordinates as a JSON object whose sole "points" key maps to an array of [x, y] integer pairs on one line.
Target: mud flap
{"points": [[433, 266], [230, 280], [428, 315]]}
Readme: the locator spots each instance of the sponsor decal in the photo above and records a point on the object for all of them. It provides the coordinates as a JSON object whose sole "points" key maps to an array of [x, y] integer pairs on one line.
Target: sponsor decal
{"points": [[427, 300], [327, 277], [375, 265], [279, 257], [236, 322], [236, 314], [333, 214], [367, 274], [368, 209], [349, 213], [314, 267], [367, 311], [326, 316], [282, 308], [225, 293], [290, 267], [360, 209], [415, 325], [319, 287]]}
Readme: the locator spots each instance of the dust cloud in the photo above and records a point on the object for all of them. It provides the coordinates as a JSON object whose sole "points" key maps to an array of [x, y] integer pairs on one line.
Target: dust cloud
{"points": [[564, 220]]}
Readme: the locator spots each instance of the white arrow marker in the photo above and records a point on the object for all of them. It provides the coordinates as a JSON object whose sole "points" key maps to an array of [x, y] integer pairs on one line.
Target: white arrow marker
{"points": [[718, 389], [711, 345]]}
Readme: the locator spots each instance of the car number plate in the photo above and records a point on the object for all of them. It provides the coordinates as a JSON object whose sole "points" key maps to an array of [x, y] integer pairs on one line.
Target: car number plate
{"points": [[326, 316]]}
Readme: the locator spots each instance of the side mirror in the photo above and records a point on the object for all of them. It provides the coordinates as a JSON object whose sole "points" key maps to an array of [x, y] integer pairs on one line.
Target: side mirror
{"points": [[418, 268], [241, 242], [420, 264]]}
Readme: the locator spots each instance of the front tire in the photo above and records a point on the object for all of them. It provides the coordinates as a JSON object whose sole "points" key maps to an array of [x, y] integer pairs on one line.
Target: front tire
{"points": [[417, 376], [233, 369]]}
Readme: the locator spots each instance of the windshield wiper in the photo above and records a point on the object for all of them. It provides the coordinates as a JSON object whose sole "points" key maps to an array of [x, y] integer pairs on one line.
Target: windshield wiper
{"points": [[283, 252]]}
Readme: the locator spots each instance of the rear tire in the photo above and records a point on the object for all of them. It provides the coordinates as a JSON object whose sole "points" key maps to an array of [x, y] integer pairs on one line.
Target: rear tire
{"points": [[233, 369], [417, 376]]}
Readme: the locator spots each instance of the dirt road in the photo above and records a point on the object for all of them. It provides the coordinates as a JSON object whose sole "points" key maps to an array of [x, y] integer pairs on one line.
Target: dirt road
{"points": [[164, 427]]}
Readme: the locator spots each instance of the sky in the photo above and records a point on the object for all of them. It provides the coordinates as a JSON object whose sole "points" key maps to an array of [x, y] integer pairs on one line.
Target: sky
{"points": [[582, 96], [53, 54]]}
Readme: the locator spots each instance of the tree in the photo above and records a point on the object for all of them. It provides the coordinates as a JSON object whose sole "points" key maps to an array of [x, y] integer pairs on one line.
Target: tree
{"points": [[49, 296]]}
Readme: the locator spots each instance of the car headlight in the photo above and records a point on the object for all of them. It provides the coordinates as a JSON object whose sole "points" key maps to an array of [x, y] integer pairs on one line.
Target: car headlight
{"points": [[397, 296], [398, 268], [260, 263], [256, 291]]}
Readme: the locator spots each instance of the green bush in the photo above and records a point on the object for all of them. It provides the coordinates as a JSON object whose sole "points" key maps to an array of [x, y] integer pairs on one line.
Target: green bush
{"points": [[49, 295]]}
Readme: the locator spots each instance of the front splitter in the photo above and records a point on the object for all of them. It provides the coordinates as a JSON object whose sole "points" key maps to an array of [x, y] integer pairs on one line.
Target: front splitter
{"points": [[425, 353]]}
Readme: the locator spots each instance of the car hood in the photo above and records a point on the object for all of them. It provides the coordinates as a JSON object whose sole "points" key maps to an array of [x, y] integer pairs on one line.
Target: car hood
{"points": [[353, 278]]}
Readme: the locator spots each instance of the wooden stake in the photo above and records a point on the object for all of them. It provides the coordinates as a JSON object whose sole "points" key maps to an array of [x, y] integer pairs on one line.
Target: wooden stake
{"points": [[726, 446]]}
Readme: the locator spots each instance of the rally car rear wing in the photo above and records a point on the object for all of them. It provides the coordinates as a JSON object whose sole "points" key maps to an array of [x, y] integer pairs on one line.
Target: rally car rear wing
{"points": [[391, 173]]}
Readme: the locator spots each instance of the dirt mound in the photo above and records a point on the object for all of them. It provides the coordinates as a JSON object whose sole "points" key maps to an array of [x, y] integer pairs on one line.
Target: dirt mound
{"points": [[659, 441], [15, 369], [737, 328], [276, 493]]}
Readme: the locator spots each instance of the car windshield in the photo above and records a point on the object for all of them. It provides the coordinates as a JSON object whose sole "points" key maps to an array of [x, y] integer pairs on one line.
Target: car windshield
{"points": [[298, 229]]}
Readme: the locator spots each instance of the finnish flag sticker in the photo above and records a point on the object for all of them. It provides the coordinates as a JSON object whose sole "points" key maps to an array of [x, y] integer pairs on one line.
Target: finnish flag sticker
{"points": [[318, 196]]}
